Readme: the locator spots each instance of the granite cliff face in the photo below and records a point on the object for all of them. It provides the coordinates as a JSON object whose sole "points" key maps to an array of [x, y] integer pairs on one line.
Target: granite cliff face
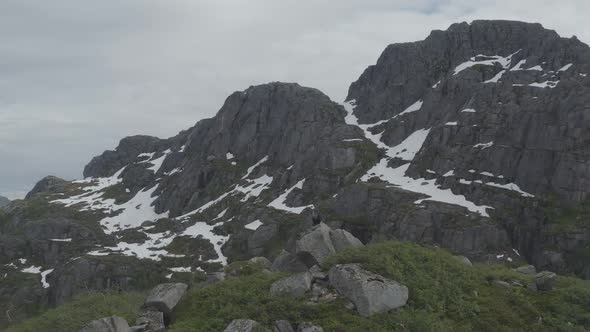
{"points": [[476, 139], [506, 105]]}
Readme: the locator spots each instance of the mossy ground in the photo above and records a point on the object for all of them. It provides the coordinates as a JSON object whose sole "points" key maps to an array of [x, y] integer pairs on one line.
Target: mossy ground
{"points": [[566, 218], [81, 310], [445, 295]]}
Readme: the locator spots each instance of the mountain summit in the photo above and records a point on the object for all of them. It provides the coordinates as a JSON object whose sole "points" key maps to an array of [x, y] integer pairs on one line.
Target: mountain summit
{"points": [[476, 139]]}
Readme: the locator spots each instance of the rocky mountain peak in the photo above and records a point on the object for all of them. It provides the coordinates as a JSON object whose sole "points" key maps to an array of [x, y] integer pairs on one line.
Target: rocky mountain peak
{"points": [[275, 119], [46, 185], [405, 71]]}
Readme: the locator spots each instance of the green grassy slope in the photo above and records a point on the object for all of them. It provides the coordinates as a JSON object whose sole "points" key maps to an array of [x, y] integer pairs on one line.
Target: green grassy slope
{"points": [[82, 309], [445, 295]]}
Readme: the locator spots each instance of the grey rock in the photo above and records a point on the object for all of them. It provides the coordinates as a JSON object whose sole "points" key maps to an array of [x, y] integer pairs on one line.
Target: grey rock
{"points": [[149, 321], [241, 325], [552, 260], [287, 262], [317, 273], [282, 326], [309, 327], [107, 324], [165, 297], [350, 305], [263, 261], [48, 184], [316, 245], [526, 269], [318, 290], [127, 151], [342, 239], [295, 285], [210, 279], [371, 293], [545, 280], [433, 225], [501, 283], [99, 273], [463, 259], [261, 236]]}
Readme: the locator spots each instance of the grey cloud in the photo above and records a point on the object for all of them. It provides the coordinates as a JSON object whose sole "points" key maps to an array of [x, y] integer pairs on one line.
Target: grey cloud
{"points": [[76, 76]]}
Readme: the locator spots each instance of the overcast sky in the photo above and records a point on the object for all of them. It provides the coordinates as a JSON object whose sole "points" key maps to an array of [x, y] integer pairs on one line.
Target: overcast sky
{"points": [[78, 75]]}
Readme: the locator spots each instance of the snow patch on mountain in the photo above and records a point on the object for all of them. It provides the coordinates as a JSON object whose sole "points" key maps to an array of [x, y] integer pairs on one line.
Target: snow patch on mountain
{"points": [[407, 150], [280, 202], [253, 225], [485, 60], [134, 212]]}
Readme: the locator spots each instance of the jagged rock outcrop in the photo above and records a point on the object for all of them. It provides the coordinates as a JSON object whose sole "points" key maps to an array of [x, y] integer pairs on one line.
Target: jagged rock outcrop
{"points": [[49, 184]]}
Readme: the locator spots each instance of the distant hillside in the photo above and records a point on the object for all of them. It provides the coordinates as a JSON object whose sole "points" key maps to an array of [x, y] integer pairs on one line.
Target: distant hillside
{"points": [[3, 201]]}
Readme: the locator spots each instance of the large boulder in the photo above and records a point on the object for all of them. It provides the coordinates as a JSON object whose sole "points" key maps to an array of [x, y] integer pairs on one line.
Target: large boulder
{"points": [[545, 280], [463, 260], [165, 297], [370, 292], [260, 237], [295, 285], [241, 325], [288, 262], [315, 246], [282, 326], [309, 327], [342, 239], [262, 261], [149, 321], [526, 269], [107, 324]]}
